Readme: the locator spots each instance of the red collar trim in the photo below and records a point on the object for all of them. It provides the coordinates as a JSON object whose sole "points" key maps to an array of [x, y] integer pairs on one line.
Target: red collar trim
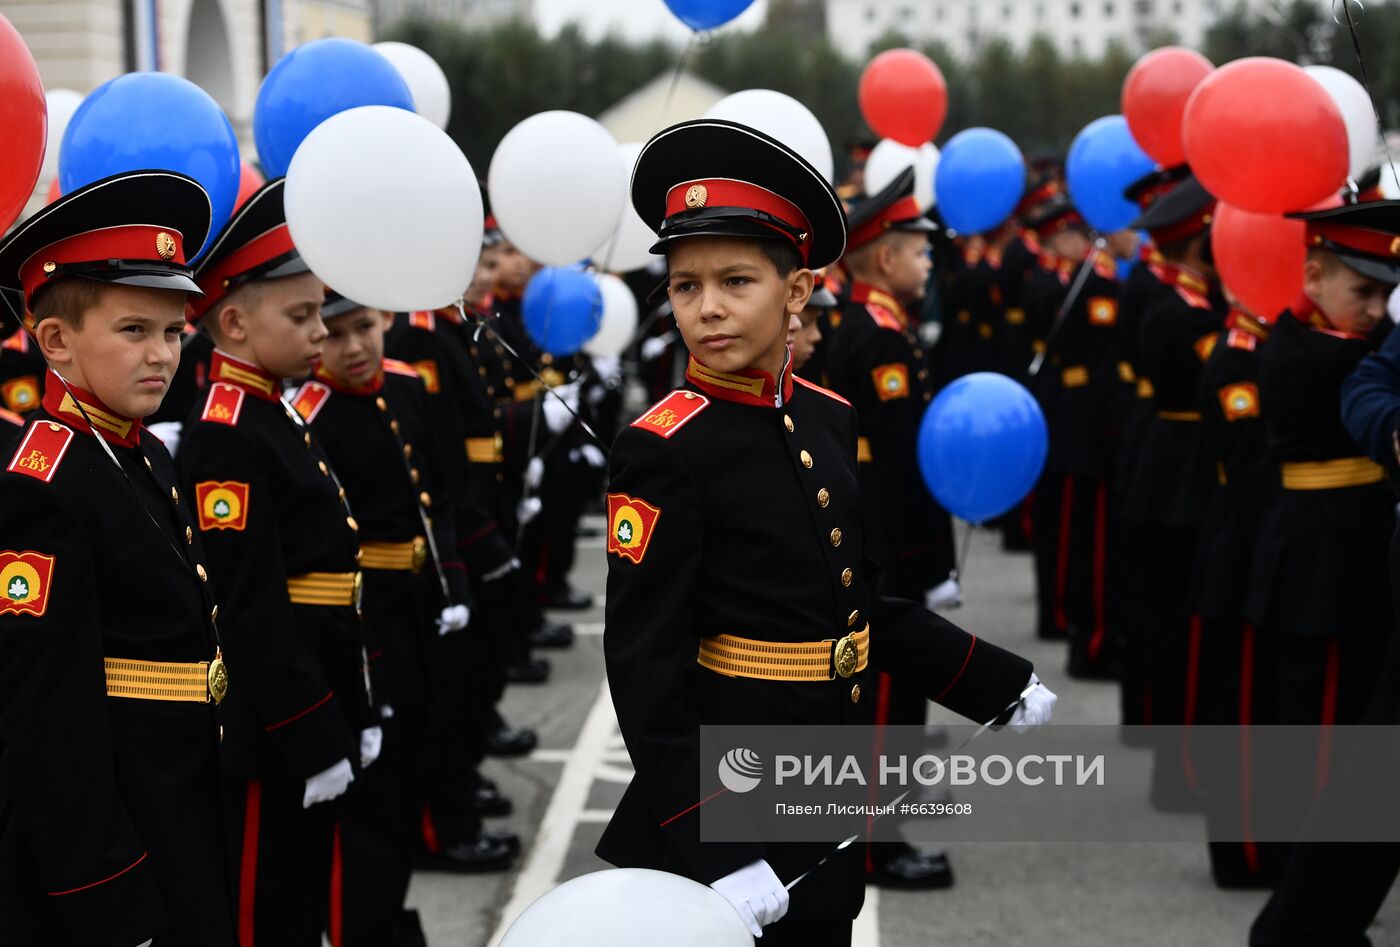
{"points": [[252, 379], [114, 428], [371, 387], [1307, 312], [1174, 274], [751, 386], [1247, 323], [865, 293]]}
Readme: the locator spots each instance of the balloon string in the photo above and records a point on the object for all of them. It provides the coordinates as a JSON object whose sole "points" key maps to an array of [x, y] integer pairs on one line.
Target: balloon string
{"points": [[1365, 79], [961, 572], [676, 76]]}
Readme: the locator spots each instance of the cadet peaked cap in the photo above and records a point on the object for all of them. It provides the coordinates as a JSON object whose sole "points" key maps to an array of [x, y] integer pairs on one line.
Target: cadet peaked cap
{"points": [[254, 245], [892, 209], [1178, 213], [1366, 236]]}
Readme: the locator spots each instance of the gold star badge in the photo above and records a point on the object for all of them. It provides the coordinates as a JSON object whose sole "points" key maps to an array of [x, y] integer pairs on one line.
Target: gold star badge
{"points": [[165, 246], [696, 196]]}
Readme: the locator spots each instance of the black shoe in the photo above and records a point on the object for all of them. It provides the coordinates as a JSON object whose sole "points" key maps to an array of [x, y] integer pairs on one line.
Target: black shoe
{"points": [[408, 930], [501, 837], [530, 671], [552, 635], [511, 741], [914, 869], [567, 598], [469, 858], [488, 802]]}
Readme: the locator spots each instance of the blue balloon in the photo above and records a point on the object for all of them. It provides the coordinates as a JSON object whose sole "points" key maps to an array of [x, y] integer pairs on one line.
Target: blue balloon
{"points": [[1102, 162], [979, 181], [313, 82], [982, 445], [563, 308], [707, 14], [153, 120]]}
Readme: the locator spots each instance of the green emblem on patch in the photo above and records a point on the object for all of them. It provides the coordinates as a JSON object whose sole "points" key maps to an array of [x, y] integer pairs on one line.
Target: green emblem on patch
{"points": [[18, 590]]}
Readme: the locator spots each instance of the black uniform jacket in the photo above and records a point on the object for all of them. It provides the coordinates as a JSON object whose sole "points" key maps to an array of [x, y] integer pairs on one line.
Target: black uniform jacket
{"points": [[876, 363], [22, 372], [736, 508], [270, 509], [110, 828], [1321, 565]]}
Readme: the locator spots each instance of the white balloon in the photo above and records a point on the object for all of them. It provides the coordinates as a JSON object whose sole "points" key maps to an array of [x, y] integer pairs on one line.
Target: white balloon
{"points": [[62, 104], [889, 158], [385, 209], [432, 97], [619, 318], [629, 246], [629, 907], [556, 188], [1363, 138], [782, 117]]}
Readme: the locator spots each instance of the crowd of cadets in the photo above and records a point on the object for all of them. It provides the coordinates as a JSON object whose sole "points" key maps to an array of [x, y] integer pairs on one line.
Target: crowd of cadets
{"points": [[384, 526]]}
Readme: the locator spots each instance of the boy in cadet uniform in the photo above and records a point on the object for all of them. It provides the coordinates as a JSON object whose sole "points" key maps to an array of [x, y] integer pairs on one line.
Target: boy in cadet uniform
{"points": [[808, 334], [371, 416], [21, 368], [1320, 584], [876, 362], [735, 524], [1174, 474], [284, 556], [10, 421], [110, 666]]}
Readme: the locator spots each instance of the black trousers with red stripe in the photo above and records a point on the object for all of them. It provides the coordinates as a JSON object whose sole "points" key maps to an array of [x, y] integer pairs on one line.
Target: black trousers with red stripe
{"points": [[1172, 651], [280, 857], [1046, 508]]}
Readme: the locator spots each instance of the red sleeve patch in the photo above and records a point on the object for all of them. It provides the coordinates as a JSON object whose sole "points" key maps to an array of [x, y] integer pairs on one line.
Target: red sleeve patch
{"points": [[891, 381], [1103, 311], [224, 404], [671, 413], [400, 368], [1193, 299], [428, 371], [631, 524], [25, 580], [311, 399], [21, 394], [1240, 400], [1242, 340], [223, 504], [41, 451]]}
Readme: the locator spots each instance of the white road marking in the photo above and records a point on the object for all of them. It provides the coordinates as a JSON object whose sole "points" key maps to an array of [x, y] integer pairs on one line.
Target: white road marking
{"points": [[588, 628], [551, 847]]}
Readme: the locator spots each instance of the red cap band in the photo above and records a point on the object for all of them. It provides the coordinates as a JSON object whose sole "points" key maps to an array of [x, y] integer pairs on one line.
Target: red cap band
{"points": [[132, 244], [1184, 229], [901, 211], [1370, 242], [726, 192], [261, 249]]}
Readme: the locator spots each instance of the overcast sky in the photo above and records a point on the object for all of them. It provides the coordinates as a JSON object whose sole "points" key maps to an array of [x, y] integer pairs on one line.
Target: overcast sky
{"points": [[634, 19]]}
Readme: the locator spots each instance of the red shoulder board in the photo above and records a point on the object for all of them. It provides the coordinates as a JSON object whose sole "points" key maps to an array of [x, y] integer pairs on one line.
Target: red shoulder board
{"points": [[10, 417], [1242, 340], [224, 404], [41, 451], [312, 398], [1205, 345], [672, 412], [883, 317], [428, 371], [1105, 267], [422, 319], [826, 391], [400, 368], [1193, 299]]}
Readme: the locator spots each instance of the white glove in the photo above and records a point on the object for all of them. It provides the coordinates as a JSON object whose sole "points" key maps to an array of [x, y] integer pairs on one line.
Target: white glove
{"points": [[327, 784], [593, 456], [386, 712], [169, 434], [929, 333], [1034, 709], [534, 473], [756, 893], [944, 597], [560, 404], [501, 571], [528, 508], [653, 347], [453, 618], [371, 742], [608, 367], [152, 940]]}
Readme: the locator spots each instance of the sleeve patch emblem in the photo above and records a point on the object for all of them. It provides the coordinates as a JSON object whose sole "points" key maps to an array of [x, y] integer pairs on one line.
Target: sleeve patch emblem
{"points": [[21, 394], [891, 381], [632, 523], [25, 580], [1205, 345], [311, 399], [41, 451], [223, 504], [428, 371], [1103, 311], [1240, 401]]}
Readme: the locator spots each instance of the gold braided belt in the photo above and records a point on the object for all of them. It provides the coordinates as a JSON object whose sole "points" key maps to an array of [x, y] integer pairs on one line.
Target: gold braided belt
{"points": [[1332, 474], [823, 660], [395, 557], [325, 588], [863, 453], [1074, 376], [1187, 416], [486, 450], [197, 682]]}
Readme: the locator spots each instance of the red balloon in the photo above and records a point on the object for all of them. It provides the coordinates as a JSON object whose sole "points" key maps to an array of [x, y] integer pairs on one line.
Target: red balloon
{"points": [[249, 180], [904, 96], [1265, 136], [54, 193], [24, 124], [1259, 258], [1155, 93]]}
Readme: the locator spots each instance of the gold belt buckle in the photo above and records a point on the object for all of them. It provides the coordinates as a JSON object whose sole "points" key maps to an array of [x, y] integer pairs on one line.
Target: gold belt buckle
{"points": [[218, 677], [845, 657], [420, 553]]}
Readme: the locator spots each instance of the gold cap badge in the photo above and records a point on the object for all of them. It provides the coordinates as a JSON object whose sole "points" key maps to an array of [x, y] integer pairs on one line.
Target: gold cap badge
{"points": [[165, 246], [696, 196]]}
